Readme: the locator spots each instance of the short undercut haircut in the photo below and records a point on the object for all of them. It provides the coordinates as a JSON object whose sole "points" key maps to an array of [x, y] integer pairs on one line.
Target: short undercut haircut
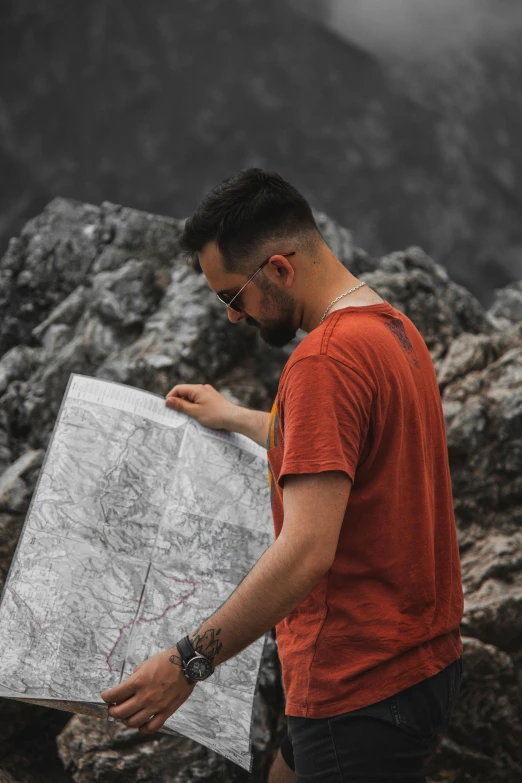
{"points": [[246, 213]]}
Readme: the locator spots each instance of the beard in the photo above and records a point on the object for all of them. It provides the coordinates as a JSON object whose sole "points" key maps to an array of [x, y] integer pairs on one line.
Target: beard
{"points": [[277, 330]]}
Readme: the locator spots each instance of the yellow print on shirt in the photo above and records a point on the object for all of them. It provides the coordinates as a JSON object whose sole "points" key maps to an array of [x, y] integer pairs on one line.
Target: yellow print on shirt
{"points": [[271, 443]]}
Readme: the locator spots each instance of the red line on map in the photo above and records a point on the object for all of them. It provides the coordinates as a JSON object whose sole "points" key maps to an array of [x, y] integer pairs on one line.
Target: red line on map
{"points": [[151, 619], [33, 618]]}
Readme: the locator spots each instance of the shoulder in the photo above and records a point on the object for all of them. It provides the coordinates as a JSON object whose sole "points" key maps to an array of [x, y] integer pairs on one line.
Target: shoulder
{"points": [[343, 344], [308, 349], [319, 375]]}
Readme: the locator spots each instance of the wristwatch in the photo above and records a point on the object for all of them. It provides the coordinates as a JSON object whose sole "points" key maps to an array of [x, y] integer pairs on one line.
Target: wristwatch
{"points": [[196, 667]]}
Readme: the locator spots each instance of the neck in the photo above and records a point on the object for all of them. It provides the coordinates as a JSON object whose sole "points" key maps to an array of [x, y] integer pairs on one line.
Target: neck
{"points": [[328, 281]]}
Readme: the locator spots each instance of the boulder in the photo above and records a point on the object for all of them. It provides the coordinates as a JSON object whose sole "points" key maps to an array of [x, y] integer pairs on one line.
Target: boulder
{"points": [[484, 741], [28, 752], [507, 305], [6, 777], [480, 379], [120, 302], [55, 252], [481, 386], [42, 266], [14, 492], [93, 749]]}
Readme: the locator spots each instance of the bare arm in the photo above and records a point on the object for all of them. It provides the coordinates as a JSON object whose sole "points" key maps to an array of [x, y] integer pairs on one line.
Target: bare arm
{"points": [[210, 408], [253, 424], [314, 509]]}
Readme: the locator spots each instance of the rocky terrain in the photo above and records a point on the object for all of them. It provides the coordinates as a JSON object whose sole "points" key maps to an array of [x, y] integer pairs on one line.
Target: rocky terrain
{"points": [[151, 105], [104, 291]]}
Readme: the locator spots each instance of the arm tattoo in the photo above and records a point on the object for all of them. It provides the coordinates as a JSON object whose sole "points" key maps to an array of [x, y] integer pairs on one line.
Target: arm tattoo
{"points": [[207, 644], [175, 659]]}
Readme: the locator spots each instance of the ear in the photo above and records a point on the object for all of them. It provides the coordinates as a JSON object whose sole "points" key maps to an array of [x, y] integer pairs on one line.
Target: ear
{"points": [[280, 271]]}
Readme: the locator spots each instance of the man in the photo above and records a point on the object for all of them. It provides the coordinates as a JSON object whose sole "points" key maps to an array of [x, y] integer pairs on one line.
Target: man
{"points": [[363, 580]]}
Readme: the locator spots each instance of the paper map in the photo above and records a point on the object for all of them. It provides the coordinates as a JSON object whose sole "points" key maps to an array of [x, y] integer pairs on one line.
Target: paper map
{"points": [[141, 525]]}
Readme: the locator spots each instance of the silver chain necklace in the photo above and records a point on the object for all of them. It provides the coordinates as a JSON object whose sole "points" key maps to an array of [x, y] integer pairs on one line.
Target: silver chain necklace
{"points": [[336, 300]]}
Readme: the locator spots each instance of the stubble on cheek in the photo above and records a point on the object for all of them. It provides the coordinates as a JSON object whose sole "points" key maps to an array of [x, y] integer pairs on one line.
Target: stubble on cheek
{"points": [[277, 328]]}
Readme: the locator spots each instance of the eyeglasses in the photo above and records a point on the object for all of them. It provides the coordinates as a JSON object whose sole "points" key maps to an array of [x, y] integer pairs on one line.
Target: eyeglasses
{"points": [[229, 300]]}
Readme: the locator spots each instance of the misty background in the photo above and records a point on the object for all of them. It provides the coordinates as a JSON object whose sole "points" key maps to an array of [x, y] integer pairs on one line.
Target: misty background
{"points": [[399, 118], [408, 31]]}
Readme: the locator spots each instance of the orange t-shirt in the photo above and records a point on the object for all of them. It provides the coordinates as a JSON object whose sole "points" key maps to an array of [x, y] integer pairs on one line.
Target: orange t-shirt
{"points": [[360, 394]]}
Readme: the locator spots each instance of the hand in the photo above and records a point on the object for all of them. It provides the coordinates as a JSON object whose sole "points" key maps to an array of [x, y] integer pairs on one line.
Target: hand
{"points": [[155, 690], [203, 403]]}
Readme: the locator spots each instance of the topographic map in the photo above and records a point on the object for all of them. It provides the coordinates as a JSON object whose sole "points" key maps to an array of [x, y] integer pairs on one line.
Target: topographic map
{"points": [[141, 525]]}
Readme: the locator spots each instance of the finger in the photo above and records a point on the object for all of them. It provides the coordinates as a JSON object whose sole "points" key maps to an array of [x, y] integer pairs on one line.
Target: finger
{"points": [[155, 723], [186, 390], [126, 709], [183, 406], [120, 693], [139, 718]]}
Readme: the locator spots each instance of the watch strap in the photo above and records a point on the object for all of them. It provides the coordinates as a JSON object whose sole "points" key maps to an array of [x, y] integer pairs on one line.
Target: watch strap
{"points": [[186, 650]]}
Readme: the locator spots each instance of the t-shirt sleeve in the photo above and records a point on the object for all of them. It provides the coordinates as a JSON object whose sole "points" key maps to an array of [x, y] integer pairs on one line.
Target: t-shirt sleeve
{"points": [[326, 415]]}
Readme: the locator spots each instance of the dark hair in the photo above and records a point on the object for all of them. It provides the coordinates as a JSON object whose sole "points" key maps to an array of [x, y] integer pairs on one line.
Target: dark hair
{"points": [[245, 212]]}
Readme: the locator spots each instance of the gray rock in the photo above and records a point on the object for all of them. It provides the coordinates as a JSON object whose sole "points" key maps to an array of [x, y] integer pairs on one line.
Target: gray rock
{"points": [[5, 452], [132, 310], [92, 749], [484, 741], [28, 751], [481, 382], [14, 492], [41, 267], [125, 296], [18, 363], [66, 313], [55, 254], [468, 352], [7, 777], [507, 306]]}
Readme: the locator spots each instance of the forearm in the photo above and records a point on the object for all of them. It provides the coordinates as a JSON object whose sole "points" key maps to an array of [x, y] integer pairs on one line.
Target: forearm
{"points": [[279, 582], [314, 511], [212, 409], [253, 424]]}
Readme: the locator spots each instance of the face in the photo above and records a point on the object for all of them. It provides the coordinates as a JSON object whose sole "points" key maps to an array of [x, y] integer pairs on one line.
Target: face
{"points": [[265, 305], [276, 322]]}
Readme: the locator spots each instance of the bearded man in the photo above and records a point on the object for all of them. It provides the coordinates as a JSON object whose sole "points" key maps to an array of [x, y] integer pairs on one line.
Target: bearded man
{"points": [[363, 581]]}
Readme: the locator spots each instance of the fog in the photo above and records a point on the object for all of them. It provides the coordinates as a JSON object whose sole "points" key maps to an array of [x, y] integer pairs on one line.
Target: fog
{"points": [[419, 29]]}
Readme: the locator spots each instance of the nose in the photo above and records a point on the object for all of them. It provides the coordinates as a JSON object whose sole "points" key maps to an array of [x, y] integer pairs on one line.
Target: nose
{"points": [[235, 317]]}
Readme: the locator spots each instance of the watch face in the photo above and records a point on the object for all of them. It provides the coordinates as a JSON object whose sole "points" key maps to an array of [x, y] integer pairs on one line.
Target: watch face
{"points": [[199, 669]]}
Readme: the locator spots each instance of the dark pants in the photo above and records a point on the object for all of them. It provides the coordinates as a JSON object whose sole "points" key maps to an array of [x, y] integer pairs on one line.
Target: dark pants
{"points": [[386, 741]]}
